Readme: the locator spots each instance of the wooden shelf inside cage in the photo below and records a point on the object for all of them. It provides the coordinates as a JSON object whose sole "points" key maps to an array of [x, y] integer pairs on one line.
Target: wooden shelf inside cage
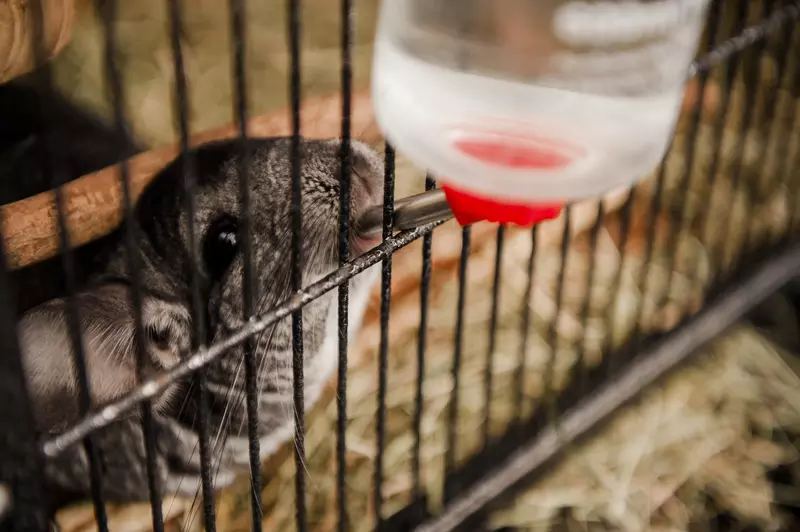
{"points": [[93, 203]]}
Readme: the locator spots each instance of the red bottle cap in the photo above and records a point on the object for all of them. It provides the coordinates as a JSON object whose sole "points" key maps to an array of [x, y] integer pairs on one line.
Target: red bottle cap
{"points": [[509, 150], [469, 208]]}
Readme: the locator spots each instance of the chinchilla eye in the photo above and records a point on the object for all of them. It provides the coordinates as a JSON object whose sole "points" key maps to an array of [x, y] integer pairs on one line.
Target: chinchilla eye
{"points": [[220, 245]]}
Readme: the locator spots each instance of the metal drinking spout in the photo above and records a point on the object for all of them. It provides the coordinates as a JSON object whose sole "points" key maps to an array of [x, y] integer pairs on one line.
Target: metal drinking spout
{"points": [[410, 212]]}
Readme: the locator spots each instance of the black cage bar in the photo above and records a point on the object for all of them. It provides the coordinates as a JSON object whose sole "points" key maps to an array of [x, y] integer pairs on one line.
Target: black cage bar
{"points": [[737, 37]]}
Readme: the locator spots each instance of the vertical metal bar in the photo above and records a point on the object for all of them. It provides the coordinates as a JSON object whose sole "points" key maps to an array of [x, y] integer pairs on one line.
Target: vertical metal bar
{"points": [[794, 165], [21, 465], [297, 267], [653, 214], [76, 340], [424, 290], [386, 293], [785, 44], [783, 127], [198, 309], [55, 177], [345, 164], [107, 11], [715, 32], [249, 287], [749, 81], [519, 377], [462, 61], [552, 332], [609, 363], [487, 376], [771, 108], [719, 126], [582, 369], [452, 414]]}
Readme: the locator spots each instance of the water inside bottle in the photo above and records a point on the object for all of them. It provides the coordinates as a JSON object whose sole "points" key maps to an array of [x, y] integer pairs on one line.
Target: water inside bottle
{"points": [[426, 108], [540, 118]]}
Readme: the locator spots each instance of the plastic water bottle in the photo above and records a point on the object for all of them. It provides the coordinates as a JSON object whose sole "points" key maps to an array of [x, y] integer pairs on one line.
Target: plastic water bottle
{"points": [[520, 106]]}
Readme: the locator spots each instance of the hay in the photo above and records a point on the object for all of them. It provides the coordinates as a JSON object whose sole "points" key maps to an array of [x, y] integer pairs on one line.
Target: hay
{"points": [[695, 433]]}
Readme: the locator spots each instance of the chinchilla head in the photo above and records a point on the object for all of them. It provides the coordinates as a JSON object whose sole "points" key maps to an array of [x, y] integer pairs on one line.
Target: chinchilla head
{"points": [[166, 274]]}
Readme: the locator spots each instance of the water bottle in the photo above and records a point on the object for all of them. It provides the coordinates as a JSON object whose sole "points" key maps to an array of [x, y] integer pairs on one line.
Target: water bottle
{"points": [[520, 106]]}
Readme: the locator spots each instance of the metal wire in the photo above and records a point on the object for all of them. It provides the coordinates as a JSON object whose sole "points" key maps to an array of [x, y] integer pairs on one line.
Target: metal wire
{"points": [[785, 170], [582, 368], [519, 377], [609, 362], [487, 376], [249, 287], [743, 39], [795, 164], [383, 362], [452, 414], [722, 247], [732, 69], [21, 465], [715, 33], [345, 164], [776, 127], [650, 242], [297, 272], [769, 97], [198, 309], [55, 177], [424, 289], [549, 398], [107, 11], [76, 340]]}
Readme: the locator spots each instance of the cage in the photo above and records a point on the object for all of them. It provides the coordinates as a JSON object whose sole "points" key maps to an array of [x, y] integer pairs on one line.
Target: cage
{"points": [[628, 365]]}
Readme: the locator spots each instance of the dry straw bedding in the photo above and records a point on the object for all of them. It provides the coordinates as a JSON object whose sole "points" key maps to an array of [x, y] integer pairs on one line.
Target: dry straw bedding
{"points": [[707, 430]]}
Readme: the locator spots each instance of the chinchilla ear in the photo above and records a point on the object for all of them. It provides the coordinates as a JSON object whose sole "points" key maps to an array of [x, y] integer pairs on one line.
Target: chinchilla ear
{"points": [[106, 321]]}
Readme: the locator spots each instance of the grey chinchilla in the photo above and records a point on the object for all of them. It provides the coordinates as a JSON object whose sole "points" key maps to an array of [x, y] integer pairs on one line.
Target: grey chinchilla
{"points": [[103, 300]]}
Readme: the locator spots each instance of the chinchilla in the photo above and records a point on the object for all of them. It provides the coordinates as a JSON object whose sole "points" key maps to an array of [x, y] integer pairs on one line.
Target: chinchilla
{"points": [[161, 235]]}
